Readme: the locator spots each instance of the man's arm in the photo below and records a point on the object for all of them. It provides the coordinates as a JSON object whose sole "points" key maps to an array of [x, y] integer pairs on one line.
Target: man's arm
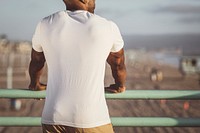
{"points": [[35, 70], [116, 61]]}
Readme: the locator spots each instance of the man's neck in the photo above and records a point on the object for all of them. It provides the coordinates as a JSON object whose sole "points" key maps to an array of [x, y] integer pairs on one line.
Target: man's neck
{"points": [[76, 7]]}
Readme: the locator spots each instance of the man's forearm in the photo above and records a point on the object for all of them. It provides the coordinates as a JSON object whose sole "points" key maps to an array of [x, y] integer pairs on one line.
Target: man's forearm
{"points": [[35, 67], [35, 71], [119, 74], [117, 63]]}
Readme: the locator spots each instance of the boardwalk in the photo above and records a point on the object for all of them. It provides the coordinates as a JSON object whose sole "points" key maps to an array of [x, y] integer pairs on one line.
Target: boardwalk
{"points": [[138, 78]]}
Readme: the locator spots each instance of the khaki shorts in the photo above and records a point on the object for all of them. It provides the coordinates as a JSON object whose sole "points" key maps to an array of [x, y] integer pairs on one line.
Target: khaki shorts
{"points": [[65, 129]]}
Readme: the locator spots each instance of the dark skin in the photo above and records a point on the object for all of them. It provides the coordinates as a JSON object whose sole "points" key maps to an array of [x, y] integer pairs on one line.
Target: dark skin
{"points": [[87, 5], [115, 60], [35, 70]]}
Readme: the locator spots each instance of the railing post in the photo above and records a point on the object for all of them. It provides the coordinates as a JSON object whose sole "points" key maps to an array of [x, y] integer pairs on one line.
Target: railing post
{"points": [[14, 103]]}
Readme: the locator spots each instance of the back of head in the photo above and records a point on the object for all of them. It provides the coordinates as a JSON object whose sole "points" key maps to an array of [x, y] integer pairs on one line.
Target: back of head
{"points": [[88, 5]]}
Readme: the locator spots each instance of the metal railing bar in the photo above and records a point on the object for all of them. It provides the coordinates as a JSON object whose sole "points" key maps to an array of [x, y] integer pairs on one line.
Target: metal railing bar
{"points": [[116, 121], [129, 94]]}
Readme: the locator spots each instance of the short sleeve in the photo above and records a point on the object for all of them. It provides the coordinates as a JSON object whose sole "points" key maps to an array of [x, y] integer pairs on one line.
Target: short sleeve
{"points": [[36, 40], [118, 42]]}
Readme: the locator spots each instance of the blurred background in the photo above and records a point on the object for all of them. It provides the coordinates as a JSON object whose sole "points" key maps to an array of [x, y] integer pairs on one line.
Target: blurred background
{"points": [[162, 47]]}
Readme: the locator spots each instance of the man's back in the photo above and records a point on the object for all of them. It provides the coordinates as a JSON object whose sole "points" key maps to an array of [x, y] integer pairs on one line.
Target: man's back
{"points": [[76, 46]]}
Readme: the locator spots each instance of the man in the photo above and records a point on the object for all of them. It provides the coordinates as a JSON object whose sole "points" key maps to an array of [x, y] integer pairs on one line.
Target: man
{"points": [[76, 44]]}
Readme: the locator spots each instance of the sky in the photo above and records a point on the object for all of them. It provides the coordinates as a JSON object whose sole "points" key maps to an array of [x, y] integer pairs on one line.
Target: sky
{"points": [[18, 19]]}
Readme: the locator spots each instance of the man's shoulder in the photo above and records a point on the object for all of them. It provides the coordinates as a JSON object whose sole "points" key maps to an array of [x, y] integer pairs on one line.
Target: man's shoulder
{"points": [[53, 17], [110, 22], [98, 17]]}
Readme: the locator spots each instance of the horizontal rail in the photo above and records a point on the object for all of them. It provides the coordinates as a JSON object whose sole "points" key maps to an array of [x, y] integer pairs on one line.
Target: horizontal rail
{"points": [[155, 122], [129, 94], [116, 121]]}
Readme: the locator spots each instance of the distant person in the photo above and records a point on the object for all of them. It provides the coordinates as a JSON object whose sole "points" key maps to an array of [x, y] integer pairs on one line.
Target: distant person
{"points": [[76, 44]]}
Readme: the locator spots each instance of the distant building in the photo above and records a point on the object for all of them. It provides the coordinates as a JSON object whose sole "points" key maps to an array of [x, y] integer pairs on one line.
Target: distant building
{"points": [[7, 46], [190, 64], [23, 47], [4, 45]]}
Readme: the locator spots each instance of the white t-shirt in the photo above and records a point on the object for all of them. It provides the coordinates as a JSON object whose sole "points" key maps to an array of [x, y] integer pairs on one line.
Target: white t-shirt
{"points": [[76, 46]]}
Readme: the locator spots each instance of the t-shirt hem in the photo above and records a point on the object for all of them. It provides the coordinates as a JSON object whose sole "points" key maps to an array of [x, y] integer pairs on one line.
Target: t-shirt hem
{"points": [[91, 125], [37, 49], [116, 50]]}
